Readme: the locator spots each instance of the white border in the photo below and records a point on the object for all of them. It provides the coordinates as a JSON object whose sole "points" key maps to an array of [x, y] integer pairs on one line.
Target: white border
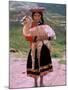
{"points": [[46, 1], [4, 43]]}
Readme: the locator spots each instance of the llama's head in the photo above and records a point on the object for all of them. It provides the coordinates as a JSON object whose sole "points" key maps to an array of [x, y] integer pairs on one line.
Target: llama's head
{"points": [[26, 20]]}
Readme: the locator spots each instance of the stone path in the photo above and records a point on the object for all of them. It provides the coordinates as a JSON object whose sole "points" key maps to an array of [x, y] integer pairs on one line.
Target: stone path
{"points": [[19, 79]]}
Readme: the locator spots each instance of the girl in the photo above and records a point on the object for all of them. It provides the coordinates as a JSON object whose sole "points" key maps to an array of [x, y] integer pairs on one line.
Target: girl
{"points": [[39, 60]]}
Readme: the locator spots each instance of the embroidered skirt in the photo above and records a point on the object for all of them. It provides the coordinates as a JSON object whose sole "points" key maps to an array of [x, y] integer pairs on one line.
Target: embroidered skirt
{"points": [[42, 67]]}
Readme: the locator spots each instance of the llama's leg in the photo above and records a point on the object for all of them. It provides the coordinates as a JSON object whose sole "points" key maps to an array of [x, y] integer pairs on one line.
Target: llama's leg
{"points": [[33, 54], [39, 45]]}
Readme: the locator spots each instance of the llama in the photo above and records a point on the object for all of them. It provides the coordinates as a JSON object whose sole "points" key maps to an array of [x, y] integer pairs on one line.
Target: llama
{"points": [[41, 31]]}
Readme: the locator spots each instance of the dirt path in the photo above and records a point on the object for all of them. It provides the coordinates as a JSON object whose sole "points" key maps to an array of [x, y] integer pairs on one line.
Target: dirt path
{"points": [[19, 79]]}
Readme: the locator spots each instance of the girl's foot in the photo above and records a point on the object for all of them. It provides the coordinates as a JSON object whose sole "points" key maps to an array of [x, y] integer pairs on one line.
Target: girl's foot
{"points": [[41, 85], [36, 85]]}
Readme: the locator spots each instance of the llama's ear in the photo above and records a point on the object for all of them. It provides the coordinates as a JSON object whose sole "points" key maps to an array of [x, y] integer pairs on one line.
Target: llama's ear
{"points": [[22, 20]]}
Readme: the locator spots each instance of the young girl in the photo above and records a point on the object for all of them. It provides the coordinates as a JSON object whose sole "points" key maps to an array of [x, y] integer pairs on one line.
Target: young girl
{"points": [[39, 60]]}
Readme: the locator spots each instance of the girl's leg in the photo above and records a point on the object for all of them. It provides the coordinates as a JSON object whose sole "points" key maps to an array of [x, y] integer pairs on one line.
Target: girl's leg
{"points": [[41, 81], [35, 82]]}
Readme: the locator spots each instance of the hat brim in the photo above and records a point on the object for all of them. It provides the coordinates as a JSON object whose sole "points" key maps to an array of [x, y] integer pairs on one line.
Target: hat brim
{"points": [[38, 10]]}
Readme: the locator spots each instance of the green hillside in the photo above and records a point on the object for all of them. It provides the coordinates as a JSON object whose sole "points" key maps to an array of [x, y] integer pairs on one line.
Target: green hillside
{"points": [[57, 22]]}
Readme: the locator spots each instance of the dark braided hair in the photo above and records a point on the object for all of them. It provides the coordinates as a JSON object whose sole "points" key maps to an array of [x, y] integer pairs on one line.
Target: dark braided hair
{"points": [[42, 20]]}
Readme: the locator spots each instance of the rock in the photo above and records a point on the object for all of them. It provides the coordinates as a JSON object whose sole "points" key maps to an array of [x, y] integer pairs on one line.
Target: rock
{"points": [[13, 50]]}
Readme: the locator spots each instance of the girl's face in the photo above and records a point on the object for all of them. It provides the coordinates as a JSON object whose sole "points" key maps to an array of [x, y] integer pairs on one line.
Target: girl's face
{"points": [[36, 17]]}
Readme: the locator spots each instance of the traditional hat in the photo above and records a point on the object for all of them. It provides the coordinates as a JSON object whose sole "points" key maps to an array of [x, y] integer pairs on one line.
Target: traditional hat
{"points": [[38, 9]]}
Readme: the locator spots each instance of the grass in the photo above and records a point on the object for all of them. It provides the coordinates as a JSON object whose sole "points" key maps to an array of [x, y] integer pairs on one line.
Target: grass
{"points": [[17, 40], [57, 49], [62, 62]]}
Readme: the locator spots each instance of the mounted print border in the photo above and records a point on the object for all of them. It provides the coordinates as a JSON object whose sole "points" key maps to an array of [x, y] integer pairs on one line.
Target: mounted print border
{"points": [[37, 44]]}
